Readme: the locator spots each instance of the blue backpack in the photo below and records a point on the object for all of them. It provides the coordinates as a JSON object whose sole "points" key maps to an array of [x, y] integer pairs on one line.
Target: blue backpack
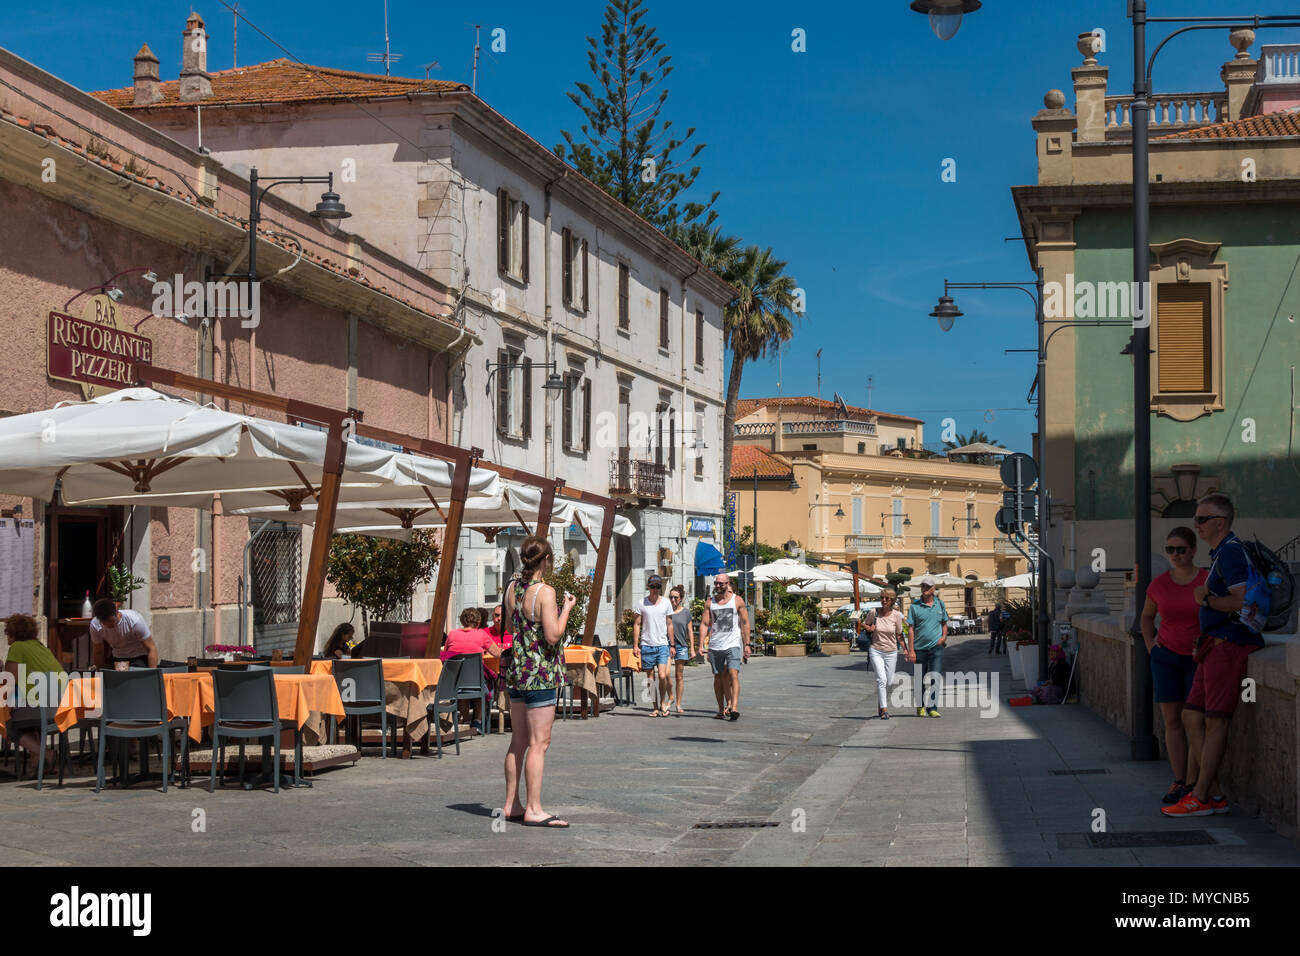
{"points": [[1270, 590]]}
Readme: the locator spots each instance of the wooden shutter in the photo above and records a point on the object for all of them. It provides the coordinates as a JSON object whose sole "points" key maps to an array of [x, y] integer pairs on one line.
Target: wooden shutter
{"points": [[659, 433], [699, 337], [566, 284], [523, 240], [503, 232], [663, 318], [527, 404], [503, 392], [570, 384], [586, 414], [623, 276], [585, 264], [1183, 338]]}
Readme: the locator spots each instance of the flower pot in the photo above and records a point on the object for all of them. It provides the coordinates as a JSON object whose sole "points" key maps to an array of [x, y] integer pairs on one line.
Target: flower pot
{"points": [[1013, 653], [1029, 664], [792, 650], [835, 647]]}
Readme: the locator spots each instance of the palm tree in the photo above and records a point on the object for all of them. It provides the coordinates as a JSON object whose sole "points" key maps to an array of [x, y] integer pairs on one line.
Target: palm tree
{"points": [[716, 252], [758, 319]]}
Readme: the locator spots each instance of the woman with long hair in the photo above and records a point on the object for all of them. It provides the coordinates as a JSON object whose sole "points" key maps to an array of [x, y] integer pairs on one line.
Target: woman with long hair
{"points": [[336, 647], [683, 640], [1171, 596], [533, 676]]}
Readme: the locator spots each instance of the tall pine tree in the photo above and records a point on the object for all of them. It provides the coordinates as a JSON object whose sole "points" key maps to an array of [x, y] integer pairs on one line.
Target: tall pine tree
{"points": [[627, 151]]}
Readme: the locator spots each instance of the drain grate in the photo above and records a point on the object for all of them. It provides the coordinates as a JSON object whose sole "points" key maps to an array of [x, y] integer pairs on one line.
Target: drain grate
{"points": [[1075, 773], [1134, 839], [735, 825]]}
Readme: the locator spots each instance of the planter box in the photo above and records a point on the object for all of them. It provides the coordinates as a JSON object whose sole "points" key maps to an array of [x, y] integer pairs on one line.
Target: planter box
{"points": [[1013, 654], [791, 650], [835, 647], [1029, 664]]}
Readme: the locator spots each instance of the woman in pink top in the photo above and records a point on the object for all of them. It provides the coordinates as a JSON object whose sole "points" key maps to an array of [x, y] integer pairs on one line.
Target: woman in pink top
{"points": [[1172, 596], [885, 627]]}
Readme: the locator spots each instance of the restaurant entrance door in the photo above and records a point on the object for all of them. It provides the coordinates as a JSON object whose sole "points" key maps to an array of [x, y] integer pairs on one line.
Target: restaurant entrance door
{"points": [[81, 543]]}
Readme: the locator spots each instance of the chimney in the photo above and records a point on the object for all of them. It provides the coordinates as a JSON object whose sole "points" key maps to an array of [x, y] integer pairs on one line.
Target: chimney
{"points": [[195, 83], [148, 88]]}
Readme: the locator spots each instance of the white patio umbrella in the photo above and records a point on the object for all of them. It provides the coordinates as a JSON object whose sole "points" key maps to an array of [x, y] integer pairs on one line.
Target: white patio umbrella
{"points": [[943, 580], [790, 572], [139, 446], [1016, 581], [837, 587]]}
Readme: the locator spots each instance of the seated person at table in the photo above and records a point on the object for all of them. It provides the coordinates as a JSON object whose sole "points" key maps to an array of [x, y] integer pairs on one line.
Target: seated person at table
{"points": [[25, 649], [497, 631], [337, 647], [470, 638], [125, 633]]}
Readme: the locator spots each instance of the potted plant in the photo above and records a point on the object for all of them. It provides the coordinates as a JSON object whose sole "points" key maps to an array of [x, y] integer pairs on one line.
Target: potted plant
{"points": [[1013, 652], [121, 582], [379, 575], [789, 628], [566, 580], [1028, 651], [231, 651]]}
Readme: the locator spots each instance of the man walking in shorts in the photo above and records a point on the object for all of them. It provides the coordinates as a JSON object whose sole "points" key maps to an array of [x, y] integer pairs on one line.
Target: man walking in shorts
{"points": [[1221, 654], [724, 638], [650, 633]]}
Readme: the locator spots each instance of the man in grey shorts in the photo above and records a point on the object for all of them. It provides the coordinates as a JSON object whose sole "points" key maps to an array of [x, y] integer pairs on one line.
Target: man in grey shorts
{"points": [[724, 638]]}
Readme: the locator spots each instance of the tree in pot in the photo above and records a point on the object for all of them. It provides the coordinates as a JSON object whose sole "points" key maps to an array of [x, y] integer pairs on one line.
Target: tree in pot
{"points": [[379, 575], [121, 582], [566, 580]]}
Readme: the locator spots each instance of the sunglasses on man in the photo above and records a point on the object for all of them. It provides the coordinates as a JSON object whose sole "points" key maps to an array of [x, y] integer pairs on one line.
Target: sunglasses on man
{"points": [[1201, 519]]}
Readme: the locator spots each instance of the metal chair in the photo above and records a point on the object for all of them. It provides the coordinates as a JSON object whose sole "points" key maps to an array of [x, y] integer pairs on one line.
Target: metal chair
{"points": [[472, 686], [40, 719], [446, 702], [245, 708], [134, 705], [618, 674], [361, 685]]}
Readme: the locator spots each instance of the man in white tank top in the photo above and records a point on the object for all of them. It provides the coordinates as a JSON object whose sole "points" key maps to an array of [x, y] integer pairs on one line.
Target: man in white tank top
{"points": [[724, 638], [650, 634]]}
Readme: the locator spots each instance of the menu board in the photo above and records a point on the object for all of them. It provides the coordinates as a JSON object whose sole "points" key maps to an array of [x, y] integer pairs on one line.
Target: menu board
{"points": [[17, 555]]}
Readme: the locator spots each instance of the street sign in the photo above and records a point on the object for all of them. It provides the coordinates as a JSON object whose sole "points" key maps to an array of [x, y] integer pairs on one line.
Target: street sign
{"points": [[1028, 471], [1005, 520]]}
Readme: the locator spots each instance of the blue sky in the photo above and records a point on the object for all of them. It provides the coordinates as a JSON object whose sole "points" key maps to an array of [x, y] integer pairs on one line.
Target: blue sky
{"points": [[832, 156]]}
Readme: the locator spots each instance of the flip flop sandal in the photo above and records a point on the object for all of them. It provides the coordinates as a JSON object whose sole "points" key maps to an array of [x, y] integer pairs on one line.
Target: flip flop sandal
{"points": [[546, 824], [654, 713], [735, 715], [516, 819], [721, 716]]}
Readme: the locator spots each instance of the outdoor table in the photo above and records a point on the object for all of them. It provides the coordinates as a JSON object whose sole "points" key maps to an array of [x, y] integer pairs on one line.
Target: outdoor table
{"points": [[629, 658], [587, 669], [410, 685]]}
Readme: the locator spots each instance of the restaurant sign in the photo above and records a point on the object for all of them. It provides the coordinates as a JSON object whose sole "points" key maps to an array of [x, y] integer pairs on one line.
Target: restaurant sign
{"points": [[701, 526], [92, 350]]}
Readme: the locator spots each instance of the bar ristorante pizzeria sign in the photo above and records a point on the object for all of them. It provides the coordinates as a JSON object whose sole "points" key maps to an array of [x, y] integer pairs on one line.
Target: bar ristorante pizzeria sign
{"points": [[92, 350]]}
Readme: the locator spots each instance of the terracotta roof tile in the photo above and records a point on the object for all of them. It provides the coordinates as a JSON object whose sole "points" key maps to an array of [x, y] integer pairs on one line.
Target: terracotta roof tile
{"points": [[284, 81], [747, 406], [1285, 123], [746, 459]]}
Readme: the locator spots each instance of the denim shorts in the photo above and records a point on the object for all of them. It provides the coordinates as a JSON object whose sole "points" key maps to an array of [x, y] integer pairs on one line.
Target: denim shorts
{"points": [[535, 698], [725, 660], [652, 655], [1171, 675], [681, 653]]}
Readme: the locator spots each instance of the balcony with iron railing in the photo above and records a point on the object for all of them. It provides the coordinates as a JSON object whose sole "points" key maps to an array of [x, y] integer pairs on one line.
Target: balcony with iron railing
{"points": [[864, 543], [636, 478], [936, 544]]}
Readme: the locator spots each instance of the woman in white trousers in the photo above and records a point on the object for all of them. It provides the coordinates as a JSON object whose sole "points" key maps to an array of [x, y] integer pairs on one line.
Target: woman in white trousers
{"points": [[886, 629]]}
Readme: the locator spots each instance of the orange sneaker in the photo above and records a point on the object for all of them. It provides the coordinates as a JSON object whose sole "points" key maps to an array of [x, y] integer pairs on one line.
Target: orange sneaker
{"points": [[1219, 803], [1189, 806]]}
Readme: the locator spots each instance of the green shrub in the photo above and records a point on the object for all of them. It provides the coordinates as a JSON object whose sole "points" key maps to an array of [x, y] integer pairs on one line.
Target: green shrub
{"points": [[789, 626]]}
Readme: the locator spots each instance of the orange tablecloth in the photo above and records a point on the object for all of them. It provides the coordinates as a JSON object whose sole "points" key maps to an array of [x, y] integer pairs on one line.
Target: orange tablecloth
{"points": [[4, 719], [422, 672], [628, 657], [580, 654], [192, 695]]}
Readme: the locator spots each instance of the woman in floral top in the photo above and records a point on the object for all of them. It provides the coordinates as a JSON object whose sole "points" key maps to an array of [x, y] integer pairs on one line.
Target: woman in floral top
{"points": [[533, 675]]}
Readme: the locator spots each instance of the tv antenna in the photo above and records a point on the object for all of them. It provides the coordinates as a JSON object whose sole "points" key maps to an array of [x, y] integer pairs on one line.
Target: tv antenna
{"points": [[234, 46], [819, 375], [473, 86], [387, 57], [869, 380], [430, 66]]}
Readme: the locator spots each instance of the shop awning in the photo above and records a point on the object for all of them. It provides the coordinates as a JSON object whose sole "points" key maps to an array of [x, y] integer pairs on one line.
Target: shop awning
{"points": [[708, 559]]}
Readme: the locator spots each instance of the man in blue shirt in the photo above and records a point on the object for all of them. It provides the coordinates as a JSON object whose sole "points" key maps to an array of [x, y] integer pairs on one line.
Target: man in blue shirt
{"points": [[927, 622], [1221, 654]]}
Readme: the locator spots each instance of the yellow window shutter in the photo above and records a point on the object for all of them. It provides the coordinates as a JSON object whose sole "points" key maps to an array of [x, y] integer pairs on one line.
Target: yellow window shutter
{"points": [[1183, 338]]}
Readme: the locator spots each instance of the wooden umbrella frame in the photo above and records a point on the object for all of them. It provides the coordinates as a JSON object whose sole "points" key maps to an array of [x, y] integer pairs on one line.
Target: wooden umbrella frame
{"points": [[463, 460]]}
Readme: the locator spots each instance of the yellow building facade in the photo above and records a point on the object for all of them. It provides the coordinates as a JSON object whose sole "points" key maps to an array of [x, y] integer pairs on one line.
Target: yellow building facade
{"points": [[847, 483]]}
